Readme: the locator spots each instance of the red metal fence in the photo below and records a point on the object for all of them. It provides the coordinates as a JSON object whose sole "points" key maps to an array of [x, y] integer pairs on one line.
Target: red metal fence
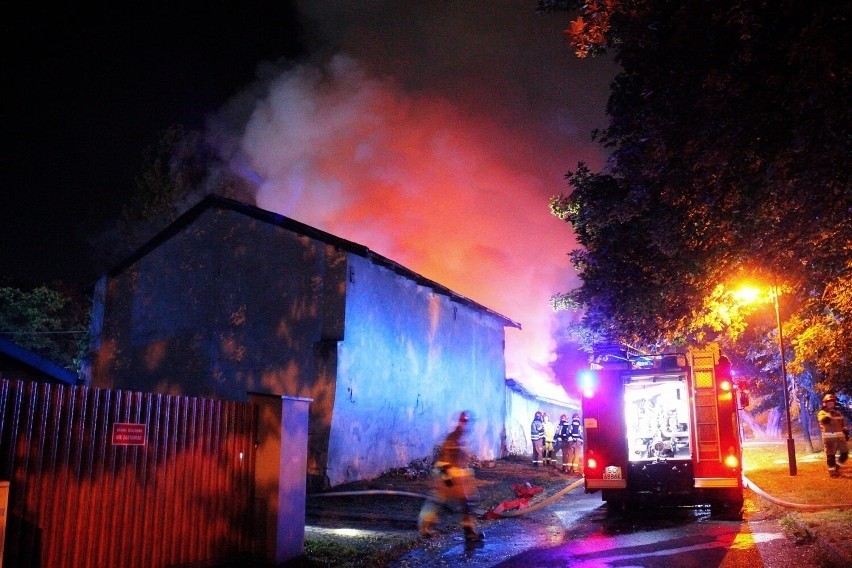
{"points": [[176, 487]]}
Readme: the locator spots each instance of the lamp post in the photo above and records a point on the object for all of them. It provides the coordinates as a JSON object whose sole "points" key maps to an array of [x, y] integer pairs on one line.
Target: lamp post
{"points": [[791, 445]]}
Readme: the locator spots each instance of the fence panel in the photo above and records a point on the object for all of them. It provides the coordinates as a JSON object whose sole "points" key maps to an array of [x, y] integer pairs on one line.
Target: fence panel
{"points": [[176, 489]]}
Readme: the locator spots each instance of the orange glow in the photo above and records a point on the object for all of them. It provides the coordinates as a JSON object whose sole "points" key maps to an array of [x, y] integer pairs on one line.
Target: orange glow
{"points": [[747, 294], [457, 197]]}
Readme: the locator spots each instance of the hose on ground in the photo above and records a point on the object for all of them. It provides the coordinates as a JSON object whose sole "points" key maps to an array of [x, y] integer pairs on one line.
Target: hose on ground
{"points": [[558, 495], [377, 492], [507, 514], [798, 506], [555, 497]]}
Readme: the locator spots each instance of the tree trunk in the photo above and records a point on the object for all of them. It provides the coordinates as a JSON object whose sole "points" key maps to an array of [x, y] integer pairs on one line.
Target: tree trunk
{"points": [[805, 421], [757, 430], [773, 423]]}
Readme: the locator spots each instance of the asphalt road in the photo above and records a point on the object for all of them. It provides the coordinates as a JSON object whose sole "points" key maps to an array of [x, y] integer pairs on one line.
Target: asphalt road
{"points": [[577, 532]]}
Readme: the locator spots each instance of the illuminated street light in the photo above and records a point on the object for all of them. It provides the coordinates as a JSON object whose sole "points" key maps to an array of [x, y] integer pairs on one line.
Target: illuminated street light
{"points": [[749, 295], [791, 445]]}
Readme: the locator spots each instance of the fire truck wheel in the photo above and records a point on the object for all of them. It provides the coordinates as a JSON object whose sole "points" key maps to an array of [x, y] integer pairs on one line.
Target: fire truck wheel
{"points": [[616, 506]]}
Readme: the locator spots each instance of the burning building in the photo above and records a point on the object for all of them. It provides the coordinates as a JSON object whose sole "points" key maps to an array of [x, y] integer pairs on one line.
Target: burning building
{"points": [[232, 300]]}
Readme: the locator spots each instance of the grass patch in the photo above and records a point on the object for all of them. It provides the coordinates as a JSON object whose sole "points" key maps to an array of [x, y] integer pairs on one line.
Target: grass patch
{"points": [[355, 552], [767, 466], [800, 532]]}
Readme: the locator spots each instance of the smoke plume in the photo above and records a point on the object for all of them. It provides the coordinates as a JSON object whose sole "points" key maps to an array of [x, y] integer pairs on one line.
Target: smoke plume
{"points": [[434, 134]]}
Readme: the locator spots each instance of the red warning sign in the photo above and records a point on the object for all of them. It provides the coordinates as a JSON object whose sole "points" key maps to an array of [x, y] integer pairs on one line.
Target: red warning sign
{"points": [[128, 434]]}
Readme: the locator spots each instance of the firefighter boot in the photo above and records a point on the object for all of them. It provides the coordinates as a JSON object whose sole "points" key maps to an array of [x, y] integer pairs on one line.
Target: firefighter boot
{"points": [[427, 519], [471, 534], [833, 469]]}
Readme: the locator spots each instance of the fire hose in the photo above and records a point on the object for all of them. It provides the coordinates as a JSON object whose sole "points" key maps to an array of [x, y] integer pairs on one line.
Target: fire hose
{"points": [[558, 495], [798, 506], [478, 512]]}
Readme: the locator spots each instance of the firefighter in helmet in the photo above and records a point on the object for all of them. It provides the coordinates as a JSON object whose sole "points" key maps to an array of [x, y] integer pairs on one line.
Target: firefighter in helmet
{"points": [[571, 434], [453, 486], [834, 434], [537, 438]]}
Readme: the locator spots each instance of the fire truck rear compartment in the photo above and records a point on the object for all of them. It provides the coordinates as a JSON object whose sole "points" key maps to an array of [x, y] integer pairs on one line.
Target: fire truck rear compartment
{"points": [[657, 417], [666, 443]]}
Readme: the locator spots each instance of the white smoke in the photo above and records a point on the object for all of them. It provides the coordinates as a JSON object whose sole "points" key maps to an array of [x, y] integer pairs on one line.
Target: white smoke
{"points": [[453, 189]]}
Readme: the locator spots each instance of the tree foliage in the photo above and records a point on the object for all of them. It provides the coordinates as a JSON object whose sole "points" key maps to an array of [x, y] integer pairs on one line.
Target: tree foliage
{"points": [[46, 321], [730, 135], [177, 170]]}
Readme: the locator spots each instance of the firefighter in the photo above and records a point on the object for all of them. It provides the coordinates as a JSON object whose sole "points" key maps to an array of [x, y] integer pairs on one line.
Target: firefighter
{"points": [[834, 434], [562, 431], [549, 439], [537, 438], [453, 487], [571, 434]]}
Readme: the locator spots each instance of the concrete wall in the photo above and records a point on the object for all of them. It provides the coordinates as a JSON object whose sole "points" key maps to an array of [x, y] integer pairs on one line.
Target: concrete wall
{"points": [[282, 443], [229, 305], [410, 361], [521, 406]]}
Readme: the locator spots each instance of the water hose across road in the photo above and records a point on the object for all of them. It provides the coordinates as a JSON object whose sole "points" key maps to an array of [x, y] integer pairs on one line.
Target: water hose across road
{"points": [[558, 495]]}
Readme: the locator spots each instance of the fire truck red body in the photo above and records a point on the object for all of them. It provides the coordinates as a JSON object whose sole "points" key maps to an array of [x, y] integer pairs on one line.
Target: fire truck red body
{"points": [[663, 430]]}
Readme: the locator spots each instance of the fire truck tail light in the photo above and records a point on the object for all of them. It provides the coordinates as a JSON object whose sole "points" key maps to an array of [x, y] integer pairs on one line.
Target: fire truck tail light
{"points": [[592, 463], [732, 461], [725, 385]]}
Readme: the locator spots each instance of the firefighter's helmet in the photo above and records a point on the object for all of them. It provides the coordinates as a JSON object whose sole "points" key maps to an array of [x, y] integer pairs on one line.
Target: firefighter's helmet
{"points": [[830, 397], [539, 415], [577, 416], [563, 418]]}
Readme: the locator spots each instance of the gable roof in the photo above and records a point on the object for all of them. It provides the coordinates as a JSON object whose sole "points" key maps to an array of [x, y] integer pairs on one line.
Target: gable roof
{"points": [[213, 201], [35, 363]]}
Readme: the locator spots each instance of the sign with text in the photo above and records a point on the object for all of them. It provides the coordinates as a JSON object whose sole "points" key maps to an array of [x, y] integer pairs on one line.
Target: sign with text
{"points": [[128, 434]]}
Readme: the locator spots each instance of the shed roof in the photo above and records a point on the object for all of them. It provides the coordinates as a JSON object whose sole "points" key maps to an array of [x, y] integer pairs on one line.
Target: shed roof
{"points": [[214, 201], [25, 359]]}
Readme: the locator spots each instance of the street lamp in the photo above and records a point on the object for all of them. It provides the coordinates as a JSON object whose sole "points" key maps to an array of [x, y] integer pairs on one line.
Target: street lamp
{"points": [[791, 445], [748, 295]]}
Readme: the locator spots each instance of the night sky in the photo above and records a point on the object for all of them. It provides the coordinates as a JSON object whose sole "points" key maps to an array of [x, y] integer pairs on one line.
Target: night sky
{"points": [[432, 132], [87, 89]]}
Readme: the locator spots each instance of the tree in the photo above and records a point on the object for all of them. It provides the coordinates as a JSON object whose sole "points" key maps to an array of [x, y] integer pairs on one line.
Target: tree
{"points": [[731, 144], [177, 170], [46, 321]]}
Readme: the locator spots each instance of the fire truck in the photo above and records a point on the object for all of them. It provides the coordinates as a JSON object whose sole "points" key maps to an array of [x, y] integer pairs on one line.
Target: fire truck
{"points": [[663, 430]]}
